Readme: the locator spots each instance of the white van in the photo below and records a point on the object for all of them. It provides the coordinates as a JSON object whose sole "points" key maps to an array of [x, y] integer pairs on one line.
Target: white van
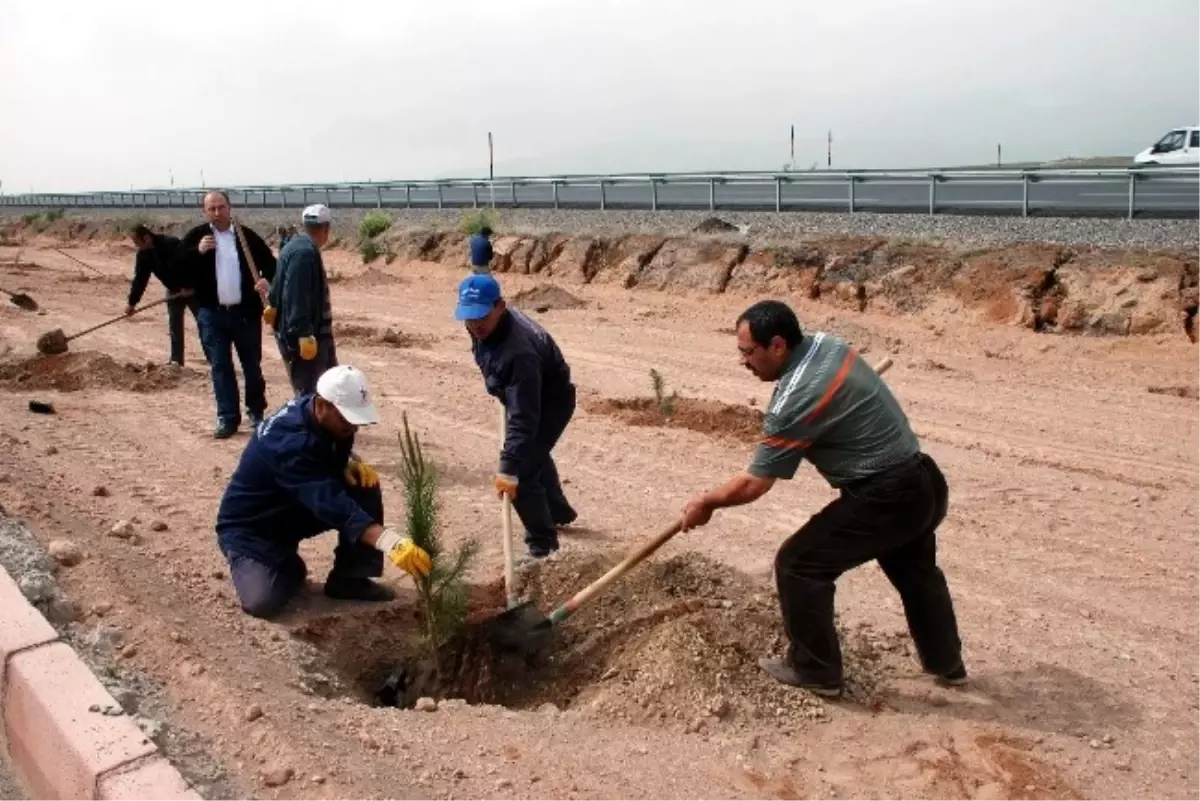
{"points": [[1179, 147]]}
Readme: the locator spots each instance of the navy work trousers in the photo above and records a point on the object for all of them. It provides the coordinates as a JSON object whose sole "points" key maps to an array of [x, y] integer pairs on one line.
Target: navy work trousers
{"points": [[268, 575], [224, 329]]}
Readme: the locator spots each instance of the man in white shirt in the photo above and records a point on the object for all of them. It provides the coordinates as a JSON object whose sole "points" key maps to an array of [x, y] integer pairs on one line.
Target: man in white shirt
{"points": [[229, 303]]}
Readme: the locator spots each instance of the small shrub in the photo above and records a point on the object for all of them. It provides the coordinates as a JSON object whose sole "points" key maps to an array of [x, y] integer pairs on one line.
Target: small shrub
{"points": [[666, 403], [31, 217], [443, 593], [54, 214], [369, 250], [374, 224], [473, 220]]}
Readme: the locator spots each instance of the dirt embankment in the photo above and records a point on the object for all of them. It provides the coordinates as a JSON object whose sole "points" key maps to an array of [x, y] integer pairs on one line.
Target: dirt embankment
{"points": [[1044, 287]]}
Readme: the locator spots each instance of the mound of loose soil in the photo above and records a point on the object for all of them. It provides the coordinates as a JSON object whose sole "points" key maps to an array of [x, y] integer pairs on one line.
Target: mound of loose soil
{"points": [[547, 297], [71, 372], [714, 225], [706, 416], [677, 639], [369, 335], [374, 277], [675, 643]]}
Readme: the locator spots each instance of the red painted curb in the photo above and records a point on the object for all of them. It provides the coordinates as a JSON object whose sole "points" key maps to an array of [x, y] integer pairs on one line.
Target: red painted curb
{"points": [[58, 746]]}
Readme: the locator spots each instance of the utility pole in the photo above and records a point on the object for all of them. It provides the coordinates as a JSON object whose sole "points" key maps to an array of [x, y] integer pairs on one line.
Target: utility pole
{"points": [[792, 160], [999, 161], [491, 170], [829, 151]]}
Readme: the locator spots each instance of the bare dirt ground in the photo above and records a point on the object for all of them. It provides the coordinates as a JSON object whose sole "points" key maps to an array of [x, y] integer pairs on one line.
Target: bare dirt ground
{"points": [[1070, 546]]}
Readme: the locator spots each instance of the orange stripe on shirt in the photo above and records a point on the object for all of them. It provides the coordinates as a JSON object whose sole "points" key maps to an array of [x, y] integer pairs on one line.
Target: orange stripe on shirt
{"points": [[785, 444], [834, 386]]}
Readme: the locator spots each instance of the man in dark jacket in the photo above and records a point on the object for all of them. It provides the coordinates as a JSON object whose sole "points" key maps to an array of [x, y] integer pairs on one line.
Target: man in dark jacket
{"points": [[481, 251], [229, 307], [156, 256], [298, 478], [300, 295], [523, 367]]}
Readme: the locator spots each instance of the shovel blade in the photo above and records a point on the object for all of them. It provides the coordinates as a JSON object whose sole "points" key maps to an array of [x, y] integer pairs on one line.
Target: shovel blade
{"points": [[520, 630], [52, 342]]}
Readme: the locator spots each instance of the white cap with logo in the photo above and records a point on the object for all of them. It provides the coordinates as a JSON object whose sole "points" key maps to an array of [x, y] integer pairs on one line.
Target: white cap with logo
{"points": [[346, 388], [317, 214]]}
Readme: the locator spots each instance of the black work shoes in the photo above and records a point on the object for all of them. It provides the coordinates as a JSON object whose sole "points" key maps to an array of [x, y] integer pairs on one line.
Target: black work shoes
{"points": [[784, 673], [358, 589], [225, 429], [953, 678]]}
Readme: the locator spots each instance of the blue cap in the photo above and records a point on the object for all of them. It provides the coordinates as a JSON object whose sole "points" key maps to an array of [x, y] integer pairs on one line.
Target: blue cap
{"points": [[477, 294]]}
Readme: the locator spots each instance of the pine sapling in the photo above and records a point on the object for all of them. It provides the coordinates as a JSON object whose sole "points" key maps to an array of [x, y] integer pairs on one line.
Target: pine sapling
{"points": [[444, 593], [666, 403]]}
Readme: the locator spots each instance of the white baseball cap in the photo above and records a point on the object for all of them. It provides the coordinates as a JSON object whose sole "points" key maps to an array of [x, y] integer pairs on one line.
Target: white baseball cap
{"points": [[317, 214], [346, 388]]}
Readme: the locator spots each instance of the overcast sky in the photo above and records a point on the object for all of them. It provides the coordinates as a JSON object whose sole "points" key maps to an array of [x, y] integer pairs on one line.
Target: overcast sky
{"points": [[108, 95]]}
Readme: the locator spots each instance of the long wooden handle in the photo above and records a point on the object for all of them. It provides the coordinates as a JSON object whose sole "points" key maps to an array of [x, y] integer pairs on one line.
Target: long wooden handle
{"points": [[583, 596], [510, 585], [246, 249], [122, 317], [77, 261], [638, 555]]}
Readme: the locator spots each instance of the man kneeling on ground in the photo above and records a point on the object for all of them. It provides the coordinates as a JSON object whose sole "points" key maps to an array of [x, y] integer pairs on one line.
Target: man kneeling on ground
{"points": [[298, 478]]}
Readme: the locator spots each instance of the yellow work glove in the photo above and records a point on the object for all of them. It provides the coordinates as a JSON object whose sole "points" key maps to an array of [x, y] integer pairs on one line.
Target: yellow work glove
{"points": [[308, 348], [506, 485], [404, 553], [269, 315], [360, 474]]}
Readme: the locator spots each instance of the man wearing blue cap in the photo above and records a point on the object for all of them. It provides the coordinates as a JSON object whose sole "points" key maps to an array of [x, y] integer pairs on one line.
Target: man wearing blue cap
{"points": [[522, 367]]}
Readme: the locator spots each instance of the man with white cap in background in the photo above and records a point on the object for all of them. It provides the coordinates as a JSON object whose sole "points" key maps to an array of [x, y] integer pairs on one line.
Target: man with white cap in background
{"points": [[298, 478], [302, 311]]}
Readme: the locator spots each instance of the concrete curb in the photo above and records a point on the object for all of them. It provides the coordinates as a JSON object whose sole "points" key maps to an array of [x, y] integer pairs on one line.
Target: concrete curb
{"points": [[60, 741]]}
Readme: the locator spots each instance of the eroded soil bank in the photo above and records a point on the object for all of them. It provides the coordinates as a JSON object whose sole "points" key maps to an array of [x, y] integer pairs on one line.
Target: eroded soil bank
{"points": [[1051, 288]]}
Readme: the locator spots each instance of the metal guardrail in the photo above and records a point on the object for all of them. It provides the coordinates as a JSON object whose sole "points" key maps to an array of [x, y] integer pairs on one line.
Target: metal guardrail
{"points": [[1111, 192]]}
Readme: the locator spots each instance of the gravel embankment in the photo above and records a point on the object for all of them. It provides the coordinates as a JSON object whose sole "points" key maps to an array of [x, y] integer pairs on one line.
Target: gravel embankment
{"points": [[765, 227]]}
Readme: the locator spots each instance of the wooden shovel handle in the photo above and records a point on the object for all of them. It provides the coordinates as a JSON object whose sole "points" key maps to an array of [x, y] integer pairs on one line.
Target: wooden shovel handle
{"points": [[510, 584], [122, 317], [237, 228], [640, 553]]}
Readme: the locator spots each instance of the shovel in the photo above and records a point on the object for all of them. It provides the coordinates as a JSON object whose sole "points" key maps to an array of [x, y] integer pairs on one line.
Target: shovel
{"points": [[524, 630], [53, 342], [21, 299]]}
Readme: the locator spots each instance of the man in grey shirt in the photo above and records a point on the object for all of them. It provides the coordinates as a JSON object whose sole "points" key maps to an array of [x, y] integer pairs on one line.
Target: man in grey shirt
{"points": [[831, 408]]}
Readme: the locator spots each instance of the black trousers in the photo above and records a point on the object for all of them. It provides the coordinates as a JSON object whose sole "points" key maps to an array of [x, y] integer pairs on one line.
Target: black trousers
{"points": [[303, 373], [541, 504], [175, 310], [891, 517]]}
